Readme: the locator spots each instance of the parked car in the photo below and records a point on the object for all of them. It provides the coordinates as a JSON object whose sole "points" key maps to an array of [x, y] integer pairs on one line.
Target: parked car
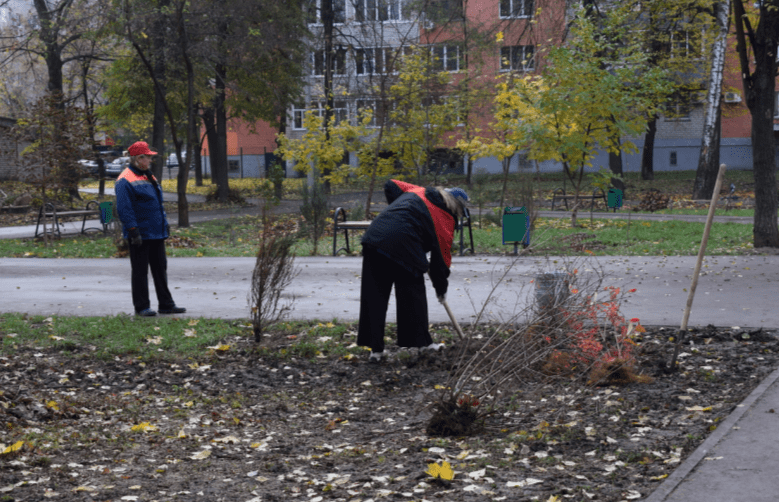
{"points": [[89, 166], [115, 168], [173, 161]]}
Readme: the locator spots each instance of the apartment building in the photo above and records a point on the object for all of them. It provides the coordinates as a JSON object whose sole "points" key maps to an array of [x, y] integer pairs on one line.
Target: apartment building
{"points": [[480, 40]]}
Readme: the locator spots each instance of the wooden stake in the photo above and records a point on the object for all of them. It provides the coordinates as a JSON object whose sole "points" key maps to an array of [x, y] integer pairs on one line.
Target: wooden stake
{"points": [[696, 273]]}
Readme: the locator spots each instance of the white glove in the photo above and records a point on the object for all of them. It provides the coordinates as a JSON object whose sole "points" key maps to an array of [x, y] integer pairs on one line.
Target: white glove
{"points": [[441, 298]]}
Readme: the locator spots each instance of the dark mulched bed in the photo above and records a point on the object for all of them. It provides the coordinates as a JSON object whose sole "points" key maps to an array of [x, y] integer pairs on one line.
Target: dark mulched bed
{"points": [[235, 427]]}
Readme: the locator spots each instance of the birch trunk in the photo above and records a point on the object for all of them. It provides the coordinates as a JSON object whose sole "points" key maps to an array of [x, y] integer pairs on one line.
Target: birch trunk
{"points": [[708, 163]]}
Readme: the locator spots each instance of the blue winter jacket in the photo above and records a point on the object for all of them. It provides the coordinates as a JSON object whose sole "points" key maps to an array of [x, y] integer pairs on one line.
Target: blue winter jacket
{"points": [[139, 204]]}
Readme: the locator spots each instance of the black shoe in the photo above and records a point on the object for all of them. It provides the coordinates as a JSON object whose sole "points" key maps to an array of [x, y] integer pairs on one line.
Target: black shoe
{"points": [[173, 310], [146, 313]]}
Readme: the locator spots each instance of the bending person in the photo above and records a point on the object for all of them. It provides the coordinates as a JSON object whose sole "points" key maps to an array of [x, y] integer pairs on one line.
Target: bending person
{"points": [[417, 221]]}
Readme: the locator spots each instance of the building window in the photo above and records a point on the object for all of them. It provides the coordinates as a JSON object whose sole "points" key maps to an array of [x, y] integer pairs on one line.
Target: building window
{"points": [[338, 63], [374, 61], [381, 10], [517, 58], [340, 113], [315, 11], [379, 111], [672, 160], [776, 105], [679, 108], [516, 8], [445, 57]]}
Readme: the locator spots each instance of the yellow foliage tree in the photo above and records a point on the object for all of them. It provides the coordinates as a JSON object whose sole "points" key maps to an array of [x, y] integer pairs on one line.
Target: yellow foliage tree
{"points": [[322, 149]]}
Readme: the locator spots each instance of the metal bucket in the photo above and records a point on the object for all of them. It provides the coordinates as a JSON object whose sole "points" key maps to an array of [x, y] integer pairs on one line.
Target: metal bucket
{"points": [[551, 289]]}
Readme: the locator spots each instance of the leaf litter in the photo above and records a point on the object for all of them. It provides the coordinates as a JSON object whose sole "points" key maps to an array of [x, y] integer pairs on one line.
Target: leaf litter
{"points": [[234, 427]]}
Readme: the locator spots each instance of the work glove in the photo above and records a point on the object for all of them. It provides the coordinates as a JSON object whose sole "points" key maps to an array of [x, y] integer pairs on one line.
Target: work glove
{"points": [[441, 298], [135, 237]]}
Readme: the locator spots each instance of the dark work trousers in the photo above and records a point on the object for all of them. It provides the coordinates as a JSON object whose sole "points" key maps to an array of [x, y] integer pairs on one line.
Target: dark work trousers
{"points": [[379, 273], [150, 255]]}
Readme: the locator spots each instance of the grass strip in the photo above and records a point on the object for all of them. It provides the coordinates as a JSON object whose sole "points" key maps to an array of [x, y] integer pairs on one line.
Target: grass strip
{"points": [[237, 237]]}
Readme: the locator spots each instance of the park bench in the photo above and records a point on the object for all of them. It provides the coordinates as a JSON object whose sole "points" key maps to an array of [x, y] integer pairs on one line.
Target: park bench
{"points": [[49, 210], [562, 196], [340, 223]]}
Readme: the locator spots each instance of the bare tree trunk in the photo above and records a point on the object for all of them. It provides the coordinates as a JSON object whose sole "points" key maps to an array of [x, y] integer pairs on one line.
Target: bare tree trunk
{"points": [[759, 91], [219, 156], [615, 166], [648, 153], [158, 121], [708, 163]]}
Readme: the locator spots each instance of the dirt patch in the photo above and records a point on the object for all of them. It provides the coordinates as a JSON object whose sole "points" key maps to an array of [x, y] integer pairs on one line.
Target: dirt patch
{"points": [[235, 427]]}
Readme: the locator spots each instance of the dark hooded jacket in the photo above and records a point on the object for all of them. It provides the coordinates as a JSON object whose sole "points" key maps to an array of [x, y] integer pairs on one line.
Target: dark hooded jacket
{"points": [[415, 223]]}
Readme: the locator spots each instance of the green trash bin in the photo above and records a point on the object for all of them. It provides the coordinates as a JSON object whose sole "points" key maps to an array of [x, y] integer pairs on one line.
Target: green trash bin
{"points": [[614, 198], [106, 212]]}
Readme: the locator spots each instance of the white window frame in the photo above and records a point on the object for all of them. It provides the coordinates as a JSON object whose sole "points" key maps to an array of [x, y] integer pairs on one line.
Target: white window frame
{"points": [[317, 5], [682, 110], [529, 61], [336, 67], [368, 58], [516, 9], [445, 57], [382, 11], [340, 112]]}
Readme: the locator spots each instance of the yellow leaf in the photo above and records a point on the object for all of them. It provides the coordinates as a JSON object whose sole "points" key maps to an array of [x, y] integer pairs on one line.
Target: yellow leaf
{"points": [[53, 405], [499, 36], [443, 471], [14, 447], [193, 322], [154, 340], [658, 478], [182, 434], [143, 427], [221, 347]]}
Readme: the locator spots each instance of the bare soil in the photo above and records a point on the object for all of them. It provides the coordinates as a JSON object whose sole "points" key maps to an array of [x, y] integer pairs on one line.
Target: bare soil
{"points": [[236, 427]]}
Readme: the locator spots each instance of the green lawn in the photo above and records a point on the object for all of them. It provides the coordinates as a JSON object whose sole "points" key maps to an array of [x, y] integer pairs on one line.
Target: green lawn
{"points": [[238, 237]]}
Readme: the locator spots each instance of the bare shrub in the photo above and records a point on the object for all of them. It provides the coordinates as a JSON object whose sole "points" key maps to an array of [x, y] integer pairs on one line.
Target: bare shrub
{"points": [[273, 272], [576, 335], [315, 211]]}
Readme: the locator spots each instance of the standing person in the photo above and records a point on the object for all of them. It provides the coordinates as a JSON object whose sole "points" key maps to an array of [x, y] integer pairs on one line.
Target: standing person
{"points": [[139, 205], [417, 221]]}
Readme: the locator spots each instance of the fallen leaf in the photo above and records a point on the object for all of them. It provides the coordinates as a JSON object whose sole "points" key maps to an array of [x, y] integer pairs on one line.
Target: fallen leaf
{"points": [[201, 455], [227, 439], [143, 427], [14, 447], [443, 471]]}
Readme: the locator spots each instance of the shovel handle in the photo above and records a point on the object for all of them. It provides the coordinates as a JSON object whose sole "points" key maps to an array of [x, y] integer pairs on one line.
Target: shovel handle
{"points": [[454, 321]]}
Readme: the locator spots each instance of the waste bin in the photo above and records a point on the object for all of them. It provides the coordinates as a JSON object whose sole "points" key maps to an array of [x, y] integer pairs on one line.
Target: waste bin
{"points": [[551, 289], [106, 212], [614, 198]]}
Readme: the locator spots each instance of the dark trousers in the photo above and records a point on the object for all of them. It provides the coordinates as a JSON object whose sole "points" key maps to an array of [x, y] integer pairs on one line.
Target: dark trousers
{"points": [[379, 273], [150, 255]]}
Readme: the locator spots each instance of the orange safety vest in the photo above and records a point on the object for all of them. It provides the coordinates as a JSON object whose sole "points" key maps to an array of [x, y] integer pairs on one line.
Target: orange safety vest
{"points": [[443, 221], [130, 175]]}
